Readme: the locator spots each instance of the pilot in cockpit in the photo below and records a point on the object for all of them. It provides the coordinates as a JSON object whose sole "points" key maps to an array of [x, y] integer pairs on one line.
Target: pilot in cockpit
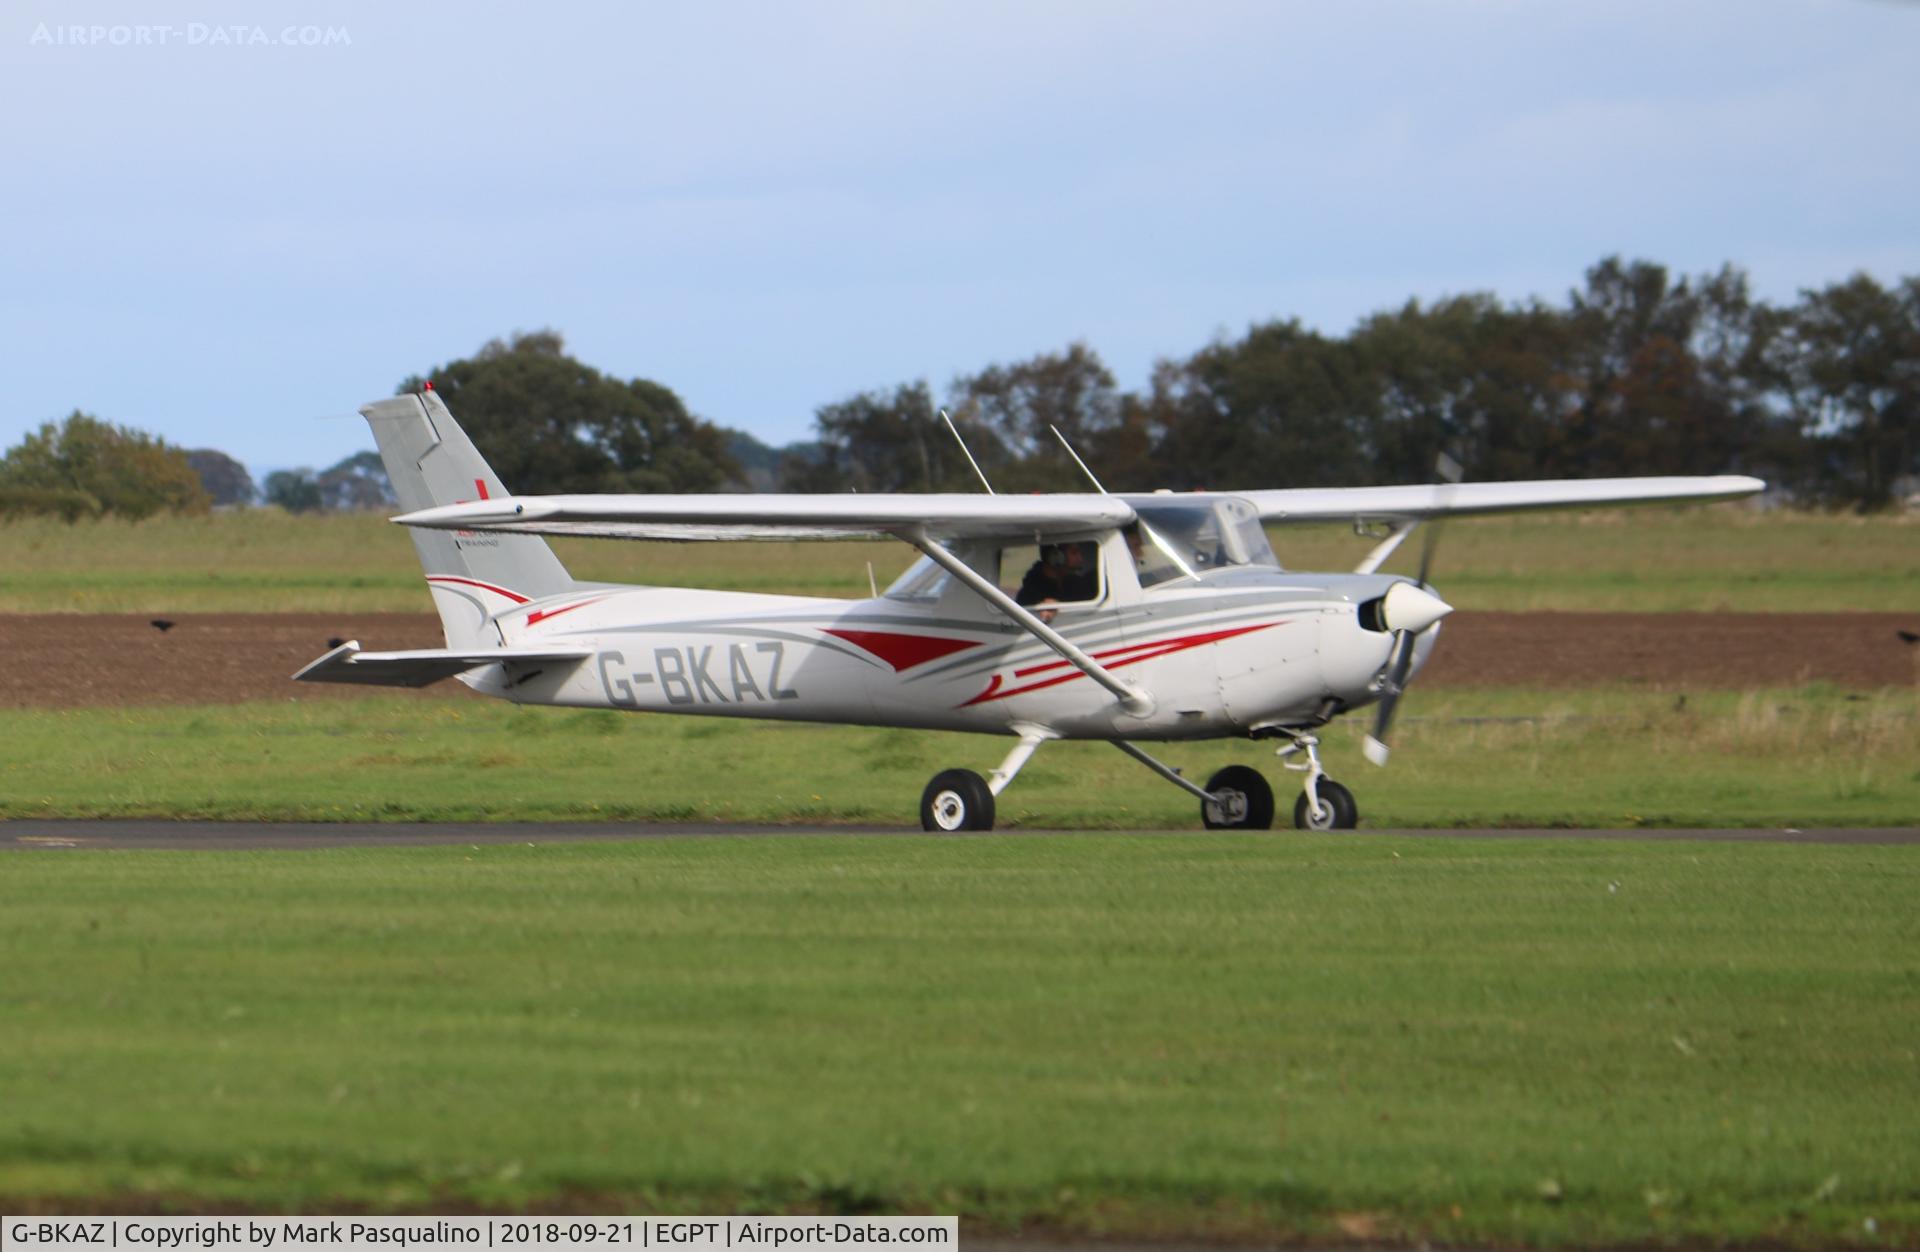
{"points": [[1064, 573]]}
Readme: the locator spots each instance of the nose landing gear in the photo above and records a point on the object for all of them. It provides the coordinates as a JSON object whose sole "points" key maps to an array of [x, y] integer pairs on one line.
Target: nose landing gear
{"points": [[1323, 804]]}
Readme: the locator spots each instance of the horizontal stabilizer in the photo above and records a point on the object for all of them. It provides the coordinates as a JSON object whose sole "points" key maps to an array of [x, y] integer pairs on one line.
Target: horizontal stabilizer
{"points": [[348, 664]]}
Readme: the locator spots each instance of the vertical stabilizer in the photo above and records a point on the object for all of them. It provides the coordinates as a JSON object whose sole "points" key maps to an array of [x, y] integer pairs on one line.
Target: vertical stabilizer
{"points": [[430, 461]]}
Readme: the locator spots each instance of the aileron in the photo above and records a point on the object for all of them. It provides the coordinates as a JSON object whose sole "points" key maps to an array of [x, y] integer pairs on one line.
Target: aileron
{"points": [[1416, 502]]}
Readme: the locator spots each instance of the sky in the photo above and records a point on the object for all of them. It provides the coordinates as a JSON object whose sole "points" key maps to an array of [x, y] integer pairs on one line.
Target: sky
{"points": [[232, 224]]}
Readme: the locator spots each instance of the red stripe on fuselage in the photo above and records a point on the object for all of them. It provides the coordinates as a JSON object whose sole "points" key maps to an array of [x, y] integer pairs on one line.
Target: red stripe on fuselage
{"points": [[903, 651], [514, 596], [541, 615], [1112, 658]]}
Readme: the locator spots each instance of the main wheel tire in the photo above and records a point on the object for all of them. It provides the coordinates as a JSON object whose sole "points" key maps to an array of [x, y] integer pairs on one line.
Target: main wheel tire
{"points": [[1337, 809], [1246, 801], [956, 799]]}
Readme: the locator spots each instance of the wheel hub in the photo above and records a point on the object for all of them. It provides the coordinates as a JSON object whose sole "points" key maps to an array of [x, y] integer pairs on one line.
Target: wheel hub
{"points": [[949, 810], [1230, 806]]}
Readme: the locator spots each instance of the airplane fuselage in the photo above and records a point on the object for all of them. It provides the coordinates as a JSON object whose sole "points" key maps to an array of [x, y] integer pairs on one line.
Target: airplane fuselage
{"points": [[1226, 654]]}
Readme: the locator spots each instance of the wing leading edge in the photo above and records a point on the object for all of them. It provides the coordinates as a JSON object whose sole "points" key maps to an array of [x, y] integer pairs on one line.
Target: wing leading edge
{"points": [[742, 516]]}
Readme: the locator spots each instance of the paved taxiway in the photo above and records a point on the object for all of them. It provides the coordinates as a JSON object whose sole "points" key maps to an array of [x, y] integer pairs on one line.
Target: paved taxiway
{"points": [[261, 836]]}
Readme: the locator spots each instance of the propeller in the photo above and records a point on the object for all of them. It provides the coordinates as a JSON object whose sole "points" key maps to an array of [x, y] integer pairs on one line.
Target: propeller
{"points": [[1407, 610]]}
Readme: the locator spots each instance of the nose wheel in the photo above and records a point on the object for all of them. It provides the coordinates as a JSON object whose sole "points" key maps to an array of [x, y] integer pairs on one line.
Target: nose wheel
{"points": [[1337, 810]]}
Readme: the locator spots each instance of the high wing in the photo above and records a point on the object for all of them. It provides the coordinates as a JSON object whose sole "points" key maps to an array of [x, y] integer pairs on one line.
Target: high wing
{"points": [[954, 516], [935, 516], [417, 668], [1413, 503]]}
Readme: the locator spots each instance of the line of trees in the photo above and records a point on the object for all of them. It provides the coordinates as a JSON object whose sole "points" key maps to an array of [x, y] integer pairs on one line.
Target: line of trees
{"points": [[1636, 373]]}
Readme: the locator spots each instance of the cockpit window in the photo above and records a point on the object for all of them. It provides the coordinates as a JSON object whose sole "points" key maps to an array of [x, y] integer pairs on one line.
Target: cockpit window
{"points": [[1180, 538], [1054, 573]]}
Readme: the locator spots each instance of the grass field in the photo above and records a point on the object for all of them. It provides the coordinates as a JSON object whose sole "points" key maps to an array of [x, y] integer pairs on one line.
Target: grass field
{"points": [[1702, 559], [1185, 1036], [1808, 757], [1130, 1036]]}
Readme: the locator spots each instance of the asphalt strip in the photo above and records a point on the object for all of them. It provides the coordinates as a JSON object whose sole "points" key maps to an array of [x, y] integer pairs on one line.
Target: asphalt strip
{"points": [[296, 836]]}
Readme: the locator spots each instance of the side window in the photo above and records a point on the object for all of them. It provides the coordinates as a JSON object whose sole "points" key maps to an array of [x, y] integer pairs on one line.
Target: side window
{"points": [[1060, 573]]}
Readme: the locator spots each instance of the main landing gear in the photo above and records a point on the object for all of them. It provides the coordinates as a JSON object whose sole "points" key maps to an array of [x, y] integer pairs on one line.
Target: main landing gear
{"points": [[957, 799], [1235, 798]]}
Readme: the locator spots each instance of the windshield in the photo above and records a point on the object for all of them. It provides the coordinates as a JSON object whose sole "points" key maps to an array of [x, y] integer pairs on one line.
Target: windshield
{"points": [[923, 581], [1182, 538]]}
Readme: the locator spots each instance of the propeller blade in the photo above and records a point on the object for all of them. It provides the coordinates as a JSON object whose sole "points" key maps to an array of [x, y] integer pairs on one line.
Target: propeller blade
{"points": [[1450, 474], [1410, 611], [1426, 551], [1399, 664]]}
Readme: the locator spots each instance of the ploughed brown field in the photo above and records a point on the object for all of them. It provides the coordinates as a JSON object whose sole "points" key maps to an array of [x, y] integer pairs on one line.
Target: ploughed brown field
{"points": [[71, 661]]}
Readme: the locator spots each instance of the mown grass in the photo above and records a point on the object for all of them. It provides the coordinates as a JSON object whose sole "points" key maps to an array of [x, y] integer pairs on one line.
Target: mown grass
{"points": [[1203, 1036], [1814, 756], [1701, 559]]}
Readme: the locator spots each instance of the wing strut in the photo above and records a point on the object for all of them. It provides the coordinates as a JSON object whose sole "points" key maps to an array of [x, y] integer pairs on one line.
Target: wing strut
{"points": [[1385, 548], [1132, 699], [1161, 768]]}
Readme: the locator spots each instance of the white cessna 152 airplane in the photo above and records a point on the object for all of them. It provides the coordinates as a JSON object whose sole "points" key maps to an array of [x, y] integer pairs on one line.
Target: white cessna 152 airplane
{"points": [[1131, 617]]}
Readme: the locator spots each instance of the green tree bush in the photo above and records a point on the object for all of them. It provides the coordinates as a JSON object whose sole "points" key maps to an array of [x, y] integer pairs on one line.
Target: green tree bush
{"points": [[550, 423], [127, 472]]}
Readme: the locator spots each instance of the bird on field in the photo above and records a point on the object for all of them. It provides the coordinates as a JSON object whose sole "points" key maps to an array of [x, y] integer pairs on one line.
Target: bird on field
{"points": [[161, 624], [1907, 636]]}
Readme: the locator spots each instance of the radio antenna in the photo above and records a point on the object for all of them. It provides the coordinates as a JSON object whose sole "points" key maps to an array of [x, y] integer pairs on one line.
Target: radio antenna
{"points": [[966, 452], [1152, 535], [1077, 461]]}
